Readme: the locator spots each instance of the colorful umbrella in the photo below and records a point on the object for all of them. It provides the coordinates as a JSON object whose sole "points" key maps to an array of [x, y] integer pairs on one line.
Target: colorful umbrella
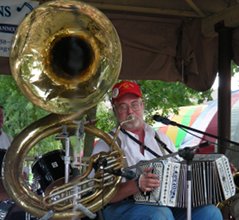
{"points": [[186, 116], [207, 122], [203, 118]]}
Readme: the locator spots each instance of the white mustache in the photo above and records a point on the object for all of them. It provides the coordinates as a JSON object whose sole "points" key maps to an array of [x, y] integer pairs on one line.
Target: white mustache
{"points": [[129, 118]]}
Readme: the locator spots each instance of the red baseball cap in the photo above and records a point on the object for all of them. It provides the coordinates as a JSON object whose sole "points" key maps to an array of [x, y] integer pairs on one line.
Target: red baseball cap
{"points": [[125, 87]]}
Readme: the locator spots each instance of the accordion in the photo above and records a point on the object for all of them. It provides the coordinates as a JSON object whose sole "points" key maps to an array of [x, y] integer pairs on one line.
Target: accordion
{"points": [[212, 181]]}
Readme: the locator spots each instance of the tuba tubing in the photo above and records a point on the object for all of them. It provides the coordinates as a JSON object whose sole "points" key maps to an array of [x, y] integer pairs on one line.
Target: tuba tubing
{"points": [[37, 205], [66, 70]]}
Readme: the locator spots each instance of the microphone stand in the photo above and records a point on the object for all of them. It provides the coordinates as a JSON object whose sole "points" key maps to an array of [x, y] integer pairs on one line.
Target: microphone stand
{"points": [[64, 136], [173, 123], [188, 155]]}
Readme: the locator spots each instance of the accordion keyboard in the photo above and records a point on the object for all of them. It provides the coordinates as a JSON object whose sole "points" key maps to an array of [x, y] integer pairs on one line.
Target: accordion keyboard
{"points": [[212, 182]]}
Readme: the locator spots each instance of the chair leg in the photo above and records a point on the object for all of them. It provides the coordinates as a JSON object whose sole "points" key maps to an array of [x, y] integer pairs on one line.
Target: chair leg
{"points": [[100, 215]]}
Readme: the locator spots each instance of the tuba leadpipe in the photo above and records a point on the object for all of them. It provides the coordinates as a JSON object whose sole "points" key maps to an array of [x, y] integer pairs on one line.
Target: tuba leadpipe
{"points": [[65, 56]]}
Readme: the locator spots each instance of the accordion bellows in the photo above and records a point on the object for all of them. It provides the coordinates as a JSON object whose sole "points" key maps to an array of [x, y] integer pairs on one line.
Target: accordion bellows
{"points": [[212, 182]]}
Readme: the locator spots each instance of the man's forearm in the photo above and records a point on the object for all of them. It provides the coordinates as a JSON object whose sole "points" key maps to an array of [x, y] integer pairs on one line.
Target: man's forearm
{"points": [[125, 190]]}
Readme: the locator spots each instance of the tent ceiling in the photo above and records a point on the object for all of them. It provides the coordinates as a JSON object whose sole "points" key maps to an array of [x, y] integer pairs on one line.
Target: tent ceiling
{"points": [[181, 8], [173, 40]]}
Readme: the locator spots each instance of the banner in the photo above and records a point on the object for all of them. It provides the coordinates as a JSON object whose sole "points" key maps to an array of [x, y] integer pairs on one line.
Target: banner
{"points": [[12, 13]]}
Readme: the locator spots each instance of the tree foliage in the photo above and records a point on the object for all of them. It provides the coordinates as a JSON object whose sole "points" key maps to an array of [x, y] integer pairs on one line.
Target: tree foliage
{"points": [[235, 68], [159, 96], [165, 98], [19, 112]]}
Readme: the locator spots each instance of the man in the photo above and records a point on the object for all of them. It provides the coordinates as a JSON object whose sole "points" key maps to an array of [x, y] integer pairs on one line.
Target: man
{"points": [[8, 209], [128, 108], [5, 140]]}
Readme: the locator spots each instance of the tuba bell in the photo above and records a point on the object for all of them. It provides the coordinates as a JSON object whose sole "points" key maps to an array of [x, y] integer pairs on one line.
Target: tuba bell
{"points": [[65, 56]]}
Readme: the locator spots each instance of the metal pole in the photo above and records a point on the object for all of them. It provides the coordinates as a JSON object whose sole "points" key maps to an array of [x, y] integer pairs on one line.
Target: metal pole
{"points": [[224, 90]]}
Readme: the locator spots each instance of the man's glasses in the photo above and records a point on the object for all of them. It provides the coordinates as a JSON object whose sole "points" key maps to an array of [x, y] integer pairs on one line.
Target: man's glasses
{"points": [[135, 106]]}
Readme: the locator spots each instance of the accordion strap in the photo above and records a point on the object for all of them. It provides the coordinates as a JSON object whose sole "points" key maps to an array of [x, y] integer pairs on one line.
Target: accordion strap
{"points": [[161, 146]]}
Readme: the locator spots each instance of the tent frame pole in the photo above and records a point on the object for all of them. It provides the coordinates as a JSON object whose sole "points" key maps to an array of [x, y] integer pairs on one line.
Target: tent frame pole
{"points": [[224, 89]]}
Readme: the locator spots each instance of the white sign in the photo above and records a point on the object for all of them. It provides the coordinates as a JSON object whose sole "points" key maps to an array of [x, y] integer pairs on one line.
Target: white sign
{"points": [[12, 13]]}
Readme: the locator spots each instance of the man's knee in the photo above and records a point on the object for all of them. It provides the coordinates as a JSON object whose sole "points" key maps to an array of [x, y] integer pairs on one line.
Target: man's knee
{"points": [[209, 212], [162, 213]]}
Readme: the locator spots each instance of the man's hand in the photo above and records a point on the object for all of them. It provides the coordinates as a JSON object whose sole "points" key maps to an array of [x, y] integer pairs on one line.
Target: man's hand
{"points": [[148, 181]]}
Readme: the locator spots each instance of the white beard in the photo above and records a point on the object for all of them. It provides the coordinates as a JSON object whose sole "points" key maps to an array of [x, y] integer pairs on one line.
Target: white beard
{"points": [[134, 123]]}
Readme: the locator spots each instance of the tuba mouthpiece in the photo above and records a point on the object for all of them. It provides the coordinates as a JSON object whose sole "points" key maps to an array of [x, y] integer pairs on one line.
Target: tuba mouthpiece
{"points": [[129, 118]]}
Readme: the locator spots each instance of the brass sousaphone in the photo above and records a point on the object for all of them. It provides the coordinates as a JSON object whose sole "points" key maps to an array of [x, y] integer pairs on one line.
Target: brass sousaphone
{"points": [[65, 56]]}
